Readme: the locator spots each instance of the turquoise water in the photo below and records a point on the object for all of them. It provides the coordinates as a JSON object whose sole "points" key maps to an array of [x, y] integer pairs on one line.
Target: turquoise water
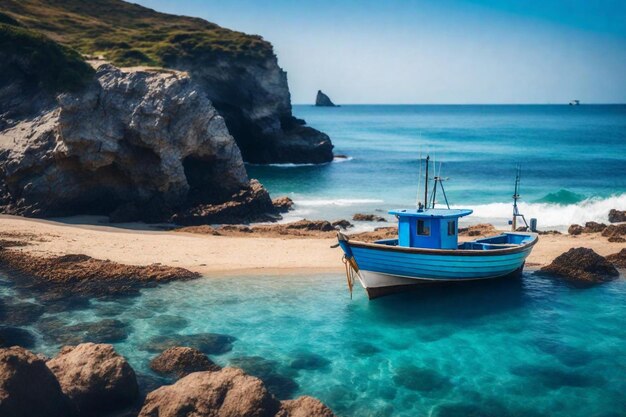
{"points": [[573, 160], [520, 348]]}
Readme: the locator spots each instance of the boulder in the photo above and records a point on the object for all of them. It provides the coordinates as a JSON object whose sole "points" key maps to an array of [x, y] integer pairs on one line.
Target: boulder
{"points": [[322, 100], [135, 145], [181, 361], [594, 227], [616, 239], [584, 265], [615, 230], [342, 224], [225, 393], [617, 216], [282, 204], [575, 229], [360, 217], [28, 388], [95, 378], [304, 406], [313, 225], [481, 229], [618, 259]]}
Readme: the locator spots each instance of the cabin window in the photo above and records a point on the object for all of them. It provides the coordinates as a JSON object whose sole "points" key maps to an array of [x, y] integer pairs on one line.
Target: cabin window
{"points": [[451, 228], [423, 228]]}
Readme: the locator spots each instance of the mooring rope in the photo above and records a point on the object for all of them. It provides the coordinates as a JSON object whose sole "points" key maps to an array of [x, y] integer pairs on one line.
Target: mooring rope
{"points": [[350, 272]]}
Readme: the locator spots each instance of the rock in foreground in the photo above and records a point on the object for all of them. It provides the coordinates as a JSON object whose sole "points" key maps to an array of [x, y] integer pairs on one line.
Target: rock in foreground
{"points": [[81, 274], [229, 392], [583, 265], [304, 407], [95, 378], [28, 388], [618, 259], [181, 361]]}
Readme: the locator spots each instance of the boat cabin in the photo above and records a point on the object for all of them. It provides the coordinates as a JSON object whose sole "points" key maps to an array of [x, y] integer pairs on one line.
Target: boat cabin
{"points": [[429, 228]]}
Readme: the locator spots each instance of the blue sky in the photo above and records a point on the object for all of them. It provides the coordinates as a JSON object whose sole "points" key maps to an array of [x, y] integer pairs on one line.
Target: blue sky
{"points": [[445, 51]]}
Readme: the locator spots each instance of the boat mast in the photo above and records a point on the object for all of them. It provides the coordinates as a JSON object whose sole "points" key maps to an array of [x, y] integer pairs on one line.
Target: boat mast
{"points": [[516, 197], [426, 183]]}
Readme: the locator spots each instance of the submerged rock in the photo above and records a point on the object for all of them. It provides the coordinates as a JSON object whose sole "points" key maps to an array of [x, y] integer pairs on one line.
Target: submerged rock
{"points": [[228, 392], [618, 259], [309, 361], [103, 331], [582, 264], [81, 274], [617, 216], [137, 145], [28, 388], [95, 378], [14, 336], [360, 217], [322, 100], [20, 314], [181, 361], [421, 379], [277, 379], [304, 407], [209, 343]]}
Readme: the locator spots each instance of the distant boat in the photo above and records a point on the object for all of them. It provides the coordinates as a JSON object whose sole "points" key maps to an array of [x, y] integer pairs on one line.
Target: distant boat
{"points": [[427, 251], [574, 103]]}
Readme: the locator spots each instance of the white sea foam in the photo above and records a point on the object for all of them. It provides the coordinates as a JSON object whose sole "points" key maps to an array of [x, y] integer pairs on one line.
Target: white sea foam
{"points": [[553, 215], [292, 165]]}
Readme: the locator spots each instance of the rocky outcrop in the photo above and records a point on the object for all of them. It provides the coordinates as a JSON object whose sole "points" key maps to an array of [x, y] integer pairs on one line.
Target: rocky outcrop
{"points": [[95, 378], [138, 145], [583, 265], [615, 231], [361, 217], [28, 387], [481, 229], [618, 259], [342, 224], [229, 392], [304, 407], [617, 216], [575, 229], [181, 361], [322, 100], [81, 274]]}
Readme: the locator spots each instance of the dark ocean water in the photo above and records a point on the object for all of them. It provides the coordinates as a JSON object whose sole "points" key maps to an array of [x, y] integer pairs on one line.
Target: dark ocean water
{"points": [[573, 160]]}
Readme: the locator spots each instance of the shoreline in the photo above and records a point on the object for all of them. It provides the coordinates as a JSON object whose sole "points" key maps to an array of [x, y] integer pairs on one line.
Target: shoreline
{"points": [[223, 255]]}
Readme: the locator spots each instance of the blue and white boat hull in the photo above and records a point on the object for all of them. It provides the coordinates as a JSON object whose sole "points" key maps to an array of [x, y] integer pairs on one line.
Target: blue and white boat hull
{"points": [[383, 267]]}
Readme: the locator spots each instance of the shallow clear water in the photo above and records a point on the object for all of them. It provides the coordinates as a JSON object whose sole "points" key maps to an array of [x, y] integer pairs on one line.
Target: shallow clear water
{"points": [[573, 160], [527, 347]]}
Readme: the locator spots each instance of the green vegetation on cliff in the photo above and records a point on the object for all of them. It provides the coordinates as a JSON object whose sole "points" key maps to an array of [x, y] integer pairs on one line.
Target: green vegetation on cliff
{"points": [[44, 63], [128, 34]]}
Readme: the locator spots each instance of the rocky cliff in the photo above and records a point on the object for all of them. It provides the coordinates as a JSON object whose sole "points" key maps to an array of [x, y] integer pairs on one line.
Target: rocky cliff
{"points": [[238, 72], [135, 145]]}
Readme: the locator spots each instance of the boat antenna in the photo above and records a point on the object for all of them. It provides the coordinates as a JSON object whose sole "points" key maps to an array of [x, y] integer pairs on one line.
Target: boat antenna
{"points": [[439, 180], [426, 183], [419, 181], [516, 197]]}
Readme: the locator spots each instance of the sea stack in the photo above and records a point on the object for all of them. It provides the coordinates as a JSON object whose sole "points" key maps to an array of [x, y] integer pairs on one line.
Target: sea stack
{"points": [[322, 100]]}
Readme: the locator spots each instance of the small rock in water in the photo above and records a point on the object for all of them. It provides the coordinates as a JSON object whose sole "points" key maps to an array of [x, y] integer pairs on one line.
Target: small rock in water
{"points": [[28, 387], [209, 343], [342, 224], [361, 217], [618, 259], [95, 378], [14, 336], [21, 314], [166, 323], [103, 331], [583, 265], [282, 204], [617, 216], [181, 361]]}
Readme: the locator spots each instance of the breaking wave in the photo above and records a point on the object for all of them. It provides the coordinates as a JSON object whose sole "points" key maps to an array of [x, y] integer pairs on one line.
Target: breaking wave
{"points": [[554, 214], [339, 202]]}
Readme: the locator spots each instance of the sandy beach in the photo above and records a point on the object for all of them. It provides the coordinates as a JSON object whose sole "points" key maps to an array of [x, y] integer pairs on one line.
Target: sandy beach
{"points": [[219, 255]]}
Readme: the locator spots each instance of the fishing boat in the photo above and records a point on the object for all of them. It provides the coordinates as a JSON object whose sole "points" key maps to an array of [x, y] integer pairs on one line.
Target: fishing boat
{"points": [[427, 250]]}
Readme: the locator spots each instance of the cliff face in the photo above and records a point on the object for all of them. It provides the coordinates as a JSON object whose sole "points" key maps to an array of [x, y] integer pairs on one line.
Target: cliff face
{"points": [[140, 145], [238, 72]]}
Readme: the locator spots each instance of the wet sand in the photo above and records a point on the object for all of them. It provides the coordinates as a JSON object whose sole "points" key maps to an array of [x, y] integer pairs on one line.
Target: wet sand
{"points": [[208, 254]]}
